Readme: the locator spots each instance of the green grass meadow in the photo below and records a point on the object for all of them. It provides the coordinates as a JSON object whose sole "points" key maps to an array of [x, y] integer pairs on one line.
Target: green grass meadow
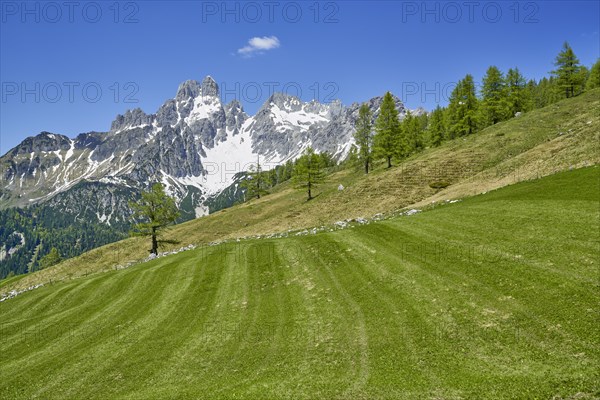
{"points": [[492, 297]]}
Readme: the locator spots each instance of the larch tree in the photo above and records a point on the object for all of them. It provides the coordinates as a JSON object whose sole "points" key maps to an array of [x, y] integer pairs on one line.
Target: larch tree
{"points": [[388, 130], [308, 172], [435, 128], [156, 210], [410, 139], [255, 182], [462, 108], [567, 71], [518, 95], [493, 102]]}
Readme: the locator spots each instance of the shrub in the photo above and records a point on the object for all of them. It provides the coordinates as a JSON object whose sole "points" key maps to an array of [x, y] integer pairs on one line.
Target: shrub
{"points": [[439, 185]]}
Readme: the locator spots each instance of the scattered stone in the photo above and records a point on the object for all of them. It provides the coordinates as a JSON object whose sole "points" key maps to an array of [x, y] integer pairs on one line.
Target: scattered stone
{"points": [[412, 212], [170, 253], [15, 293], [341, 187]]}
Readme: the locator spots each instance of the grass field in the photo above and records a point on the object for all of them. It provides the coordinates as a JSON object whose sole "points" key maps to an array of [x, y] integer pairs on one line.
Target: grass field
{"points": [[493, 297]]}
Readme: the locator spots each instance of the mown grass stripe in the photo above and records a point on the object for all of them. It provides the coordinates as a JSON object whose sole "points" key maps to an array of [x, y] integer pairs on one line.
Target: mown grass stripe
{"points": [[377, 317]]}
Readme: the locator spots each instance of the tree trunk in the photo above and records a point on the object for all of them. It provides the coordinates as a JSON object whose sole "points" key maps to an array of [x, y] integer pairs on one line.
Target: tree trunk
{"points": [[366, 167], [154, 242], [309, 194], [389, 159]]}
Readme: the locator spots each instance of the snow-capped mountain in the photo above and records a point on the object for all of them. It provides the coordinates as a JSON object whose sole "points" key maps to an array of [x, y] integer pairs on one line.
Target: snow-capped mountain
{"points": [[193, 144]]}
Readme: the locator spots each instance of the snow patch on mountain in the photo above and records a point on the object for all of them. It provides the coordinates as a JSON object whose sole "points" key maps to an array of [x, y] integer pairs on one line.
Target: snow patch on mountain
{"points": [[223, 162], [204, 107], [284, 119]]}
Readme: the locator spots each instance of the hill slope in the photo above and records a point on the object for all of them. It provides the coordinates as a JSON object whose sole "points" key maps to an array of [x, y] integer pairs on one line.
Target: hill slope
{"points": [[493, 297], [561, 136], [196, 145]]}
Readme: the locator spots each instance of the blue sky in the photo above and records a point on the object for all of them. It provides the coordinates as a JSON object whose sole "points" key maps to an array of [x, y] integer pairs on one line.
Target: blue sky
{"points": [[53, 59]]}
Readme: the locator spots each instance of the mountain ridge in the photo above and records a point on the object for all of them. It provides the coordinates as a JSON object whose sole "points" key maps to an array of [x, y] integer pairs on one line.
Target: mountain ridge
{"points": [[192, 143]]}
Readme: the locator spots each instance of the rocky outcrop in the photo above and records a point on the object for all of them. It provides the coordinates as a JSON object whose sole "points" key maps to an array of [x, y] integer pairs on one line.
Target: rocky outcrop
{"points": [[132, 118]]}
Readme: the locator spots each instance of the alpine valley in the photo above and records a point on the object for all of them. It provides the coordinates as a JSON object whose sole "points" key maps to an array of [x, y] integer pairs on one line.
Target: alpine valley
{"points": [[73, 193]]}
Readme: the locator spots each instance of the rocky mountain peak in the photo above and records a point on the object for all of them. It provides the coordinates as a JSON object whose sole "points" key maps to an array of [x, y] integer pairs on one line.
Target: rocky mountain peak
{"points": [[315, 107], [210, 87], [375, 105], [190, 88], [235, 116], [283, 101], [131, 118], [234, 105], [43, 142], [418, 111]]}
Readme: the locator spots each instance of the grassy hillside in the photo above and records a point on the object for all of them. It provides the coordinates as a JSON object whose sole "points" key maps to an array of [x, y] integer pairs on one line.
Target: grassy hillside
{"points": [[493, 297], [561, 136]]}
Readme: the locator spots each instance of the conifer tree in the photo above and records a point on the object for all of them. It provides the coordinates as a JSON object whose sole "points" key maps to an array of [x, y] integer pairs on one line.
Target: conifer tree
{"points": [[387, 128], [518, 97], [157, 211], [545, 93], [436, 127], [410, 140], [256, 181], [462, 108], [493, 94], [364, 136], [308, 172], [423, 121], [567, 71]]}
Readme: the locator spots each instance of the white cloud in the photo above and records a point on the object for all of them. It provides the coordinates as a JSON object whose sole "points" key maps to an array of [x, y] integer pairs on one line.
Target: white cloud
{"points": [[258, 45]]}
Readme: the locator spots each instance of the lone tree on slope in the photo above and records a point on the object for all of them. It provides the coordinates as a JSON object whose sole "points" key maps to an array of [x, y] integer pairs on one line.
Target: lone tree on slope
{"points": [[157, 211], [255, 182], [308, 172], [388, 130], [568, 71]]}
